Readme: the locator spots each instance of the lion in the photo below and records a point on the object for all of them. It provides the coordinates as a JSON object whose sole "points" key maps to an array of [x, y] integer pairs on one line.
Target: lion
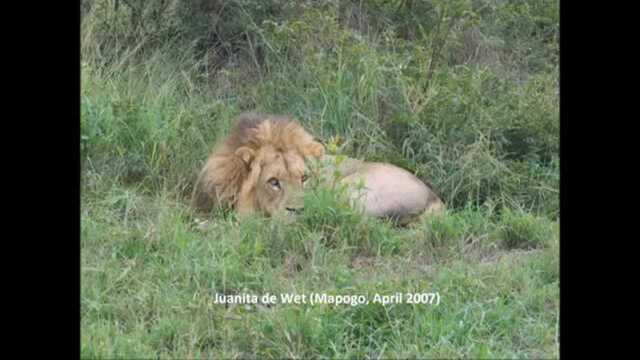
{"points": [[262, 167]]}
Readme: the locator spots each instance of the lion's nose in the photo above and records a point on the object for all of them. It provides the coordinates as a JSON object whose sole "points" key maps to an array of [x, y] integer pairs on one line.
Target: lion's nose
{"points": [[294, 210]]}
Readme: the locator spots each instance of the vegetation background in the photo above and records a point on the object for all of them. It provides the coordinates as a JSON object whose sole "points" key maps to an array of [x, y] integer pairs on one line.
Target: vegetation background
{"points": [[464, 93]]}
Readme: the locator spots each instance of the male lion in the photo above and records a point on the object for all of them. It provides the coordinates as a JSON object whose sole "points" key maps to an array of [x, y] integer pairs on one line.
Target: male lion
{"points": [[261, 167]]}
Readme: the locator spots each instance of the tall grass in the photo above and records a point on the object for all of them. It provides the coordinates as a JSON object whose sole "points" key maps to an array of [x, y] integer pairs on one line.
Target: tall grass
{"points": [[472, 131]]}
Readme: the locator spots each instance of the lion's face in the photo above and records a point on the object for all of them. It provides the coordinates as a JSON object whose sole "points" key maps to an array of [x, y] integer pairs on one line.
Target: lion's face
{"points": [[258, 167], [281, 181], [276, 182]]}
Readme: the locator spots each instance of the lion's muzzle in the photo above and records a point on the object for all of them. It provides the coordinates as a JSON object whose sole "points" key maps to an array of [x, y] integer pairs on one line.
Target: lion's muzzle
{"points": [[294, 211]]}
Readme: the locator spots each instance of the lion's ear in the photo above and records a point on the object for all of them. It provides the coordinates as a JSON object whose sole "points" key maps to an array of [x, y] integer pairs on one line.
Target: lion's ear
{"points": [[245, 154], [314, 149]]}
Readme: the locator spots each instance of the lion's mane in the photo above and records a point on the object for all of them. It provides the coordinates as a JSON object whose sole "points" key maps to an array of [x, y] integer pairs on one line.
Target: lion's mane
{"points": [[225, 171]]}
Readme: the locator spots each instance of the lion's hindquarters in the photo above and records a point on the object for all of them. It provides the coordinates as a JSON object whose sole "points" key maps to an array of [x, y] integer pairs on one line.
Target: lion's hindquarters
{"points": [[391, 192]]}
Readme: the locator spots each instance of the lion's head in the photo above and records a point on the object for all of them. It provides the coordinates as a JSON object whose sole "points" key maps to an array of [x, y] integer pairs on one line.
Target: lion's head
{"points": [[259, 167]]}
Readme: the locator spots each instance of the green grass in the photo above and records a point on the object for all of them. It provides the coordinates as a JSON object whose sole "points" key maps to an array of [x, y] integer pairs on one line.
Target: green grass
{"points": [[481, 125], [149, 276]]}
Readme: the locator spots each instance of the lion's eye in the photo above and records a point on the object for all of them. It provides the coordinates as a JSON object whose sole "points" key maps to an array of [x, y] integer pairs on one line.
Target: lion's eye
{"points": [[274, 182], [304, 177]]}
